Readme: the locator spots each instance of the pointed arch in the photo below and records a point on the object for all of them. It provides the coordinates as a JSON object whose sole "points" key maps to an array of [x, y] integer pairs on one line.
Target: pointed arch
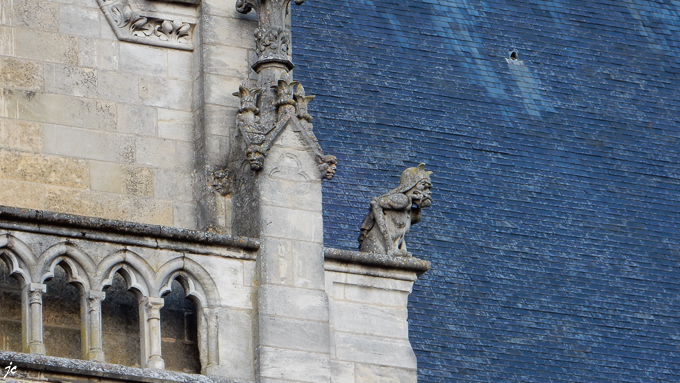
{"points": [[137, 272], [196, 281], [18, 256], [77, 264]]}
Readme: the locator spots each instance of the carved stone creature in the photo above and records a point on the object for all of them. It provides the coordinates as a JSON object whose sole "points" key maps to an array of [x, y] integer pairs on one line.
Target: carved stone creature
{"points": [[327, 165], [392, 214]]}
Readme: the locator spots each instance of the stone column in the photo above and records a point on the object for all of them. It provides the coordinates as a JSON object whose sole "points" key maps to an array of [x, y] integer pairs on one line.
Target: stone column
{"points": [[151, 315], [35, 292], [94, 310], [211, 361]]}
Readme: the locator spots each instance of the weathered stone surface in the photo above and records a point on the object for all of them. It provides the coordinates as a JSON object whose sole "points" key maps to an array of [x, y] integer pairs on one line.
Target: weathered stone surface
{"points": [[384, 374], [44, 46], [175, 124], [151, 211], [136, 119], [85, 202], [184, 215], [219, 90], [370, 319], [21, 194], [165, 93], [116, 86], [371, 295], [294, 365], [342, 372], [374, 350], [21, 74], [53, 170], [293, 302], [294, 224], [74, 20], [294, 334], [20, 135], [226, 61], [164, 154], [172, 185], [98, 53], [92, 144], [33, 14], [58, 109], [143, 59], [180, 65], [70, 80], [121, 178], [236, 344]]}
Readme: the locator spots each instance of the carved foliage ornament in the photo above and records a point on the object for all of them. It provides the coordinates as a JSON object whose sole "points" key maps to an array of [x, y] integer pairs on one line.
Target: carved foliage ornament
{"points": [[290, 104], [130, 26], [391, 215], [272, 37]]}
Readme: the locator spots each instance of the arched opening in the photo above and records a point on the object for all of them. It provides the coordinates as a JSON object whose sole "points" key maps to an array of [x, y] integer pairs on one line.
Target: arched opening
{"points": [[179, 331], [61, 317], [10, 310], [120, 324]]}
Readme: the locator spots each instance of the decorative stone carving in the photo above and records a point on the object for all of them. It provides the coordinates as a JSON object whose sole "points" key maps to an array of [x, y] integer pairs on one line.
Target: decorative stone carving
{"points": [[129, 25], [391, 215], [260, 131], [220, 181], [327, 165], [301, 102], [272, 36]]}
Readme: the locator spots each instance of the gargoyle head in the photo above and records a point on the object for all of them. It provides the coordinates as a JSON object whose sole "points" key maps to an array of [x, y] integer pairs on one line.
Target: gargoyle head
{"points": [[327, 165], [417, 185]]}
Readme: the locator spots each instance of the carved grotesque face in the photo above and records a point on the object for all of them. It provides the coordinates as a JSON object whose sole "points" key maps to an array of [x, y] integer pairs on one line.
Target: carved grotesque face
{"points": [[421, 194], [256, 159], [330, 171]]}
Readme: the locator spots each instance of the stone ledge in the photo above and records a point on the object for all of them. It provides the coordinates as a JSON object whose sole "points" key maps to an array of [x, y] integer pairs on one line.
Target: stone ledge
{"points": [[407, 263], [103, 226], [105, 370]]}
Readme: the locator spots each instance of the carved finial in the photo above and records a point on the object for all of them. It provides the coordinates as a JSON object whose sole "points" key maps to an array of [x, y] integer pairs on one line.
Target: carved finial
{"points": [[301, 102], [249, 98], [392, 214], [327, 165], [284, 92]]}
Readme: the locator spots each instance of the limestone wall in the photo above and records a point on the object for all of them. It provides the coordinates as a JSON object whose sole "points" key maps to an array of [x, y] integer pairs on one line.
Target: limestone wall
{"points": [[96, 126]]}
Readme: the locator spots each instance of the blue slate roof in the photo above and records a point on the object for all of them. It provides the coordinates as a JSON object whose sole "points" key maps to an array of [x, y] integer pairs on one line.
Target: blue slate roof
{"points": [[555, 233]]}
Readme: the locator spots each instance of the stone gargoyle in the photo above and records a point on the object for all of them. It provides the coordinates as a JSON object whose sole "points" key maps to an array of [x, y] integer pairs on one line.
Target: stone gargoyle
{"points": [[392, 214]]}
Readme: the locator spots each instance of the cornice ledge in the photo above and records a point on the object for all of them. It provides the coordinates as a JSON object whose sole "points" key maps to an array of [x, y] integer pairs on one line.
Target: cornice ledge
{"points": [[128, 25], [105, 370], [408, 263], [48, 218]]}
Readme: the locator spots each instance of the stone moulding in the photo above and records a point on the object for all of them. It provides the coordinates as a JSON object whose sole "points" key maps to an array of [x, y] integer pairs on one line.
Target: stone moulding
{"points": [[154, 236], [48, 364], [410, 263], [130, 26]]}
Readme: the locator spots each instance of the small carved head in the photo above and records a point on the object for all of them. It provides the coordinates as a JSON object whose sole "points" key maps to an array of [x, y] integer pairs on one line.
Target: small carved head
{"points": [[219, 180], [327, 165], [417, 185], [255, 157]]}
